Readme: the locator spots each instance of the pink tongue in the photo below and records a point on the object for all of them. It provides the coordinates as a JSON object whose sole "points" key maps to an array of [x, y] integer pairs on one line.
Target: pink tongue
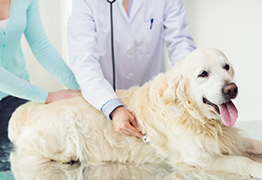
{"points": [[228, 113]]}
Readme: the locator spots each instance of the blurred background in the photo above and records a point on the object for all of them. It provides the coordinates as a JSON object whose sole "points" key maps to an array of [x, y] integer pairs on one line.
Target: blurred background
{"points": [[233, 26]]}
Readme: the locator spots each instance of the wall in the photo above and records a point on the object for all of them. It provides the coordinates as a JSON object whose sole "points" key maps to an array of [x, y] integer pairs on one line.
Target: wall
{"points": [[50, 11], [233, 26]]}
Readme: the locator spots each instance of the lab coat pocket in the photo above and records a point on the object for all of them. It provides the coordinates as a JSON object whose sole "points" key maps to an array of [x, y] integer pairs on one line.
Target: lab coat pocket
{"points": [[152, 35]]}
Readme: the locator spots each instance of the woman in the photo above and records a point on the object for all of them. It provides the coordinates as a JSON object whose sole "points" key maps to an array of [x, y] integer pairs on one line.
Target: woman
{"points": [[22, 17]]}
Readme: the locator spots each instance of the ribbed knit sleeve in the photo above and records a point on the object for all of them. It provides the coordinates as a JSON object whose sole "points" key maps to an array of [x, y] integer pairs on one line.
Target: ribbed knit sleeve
{"points": [[21, 88], [44, 51]]}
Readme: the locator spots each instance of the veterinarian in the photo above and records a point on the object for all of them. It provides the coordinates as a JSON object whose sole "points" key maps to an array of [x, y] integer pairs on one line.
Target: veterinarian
{"points": [[22, 17], [140, 29]]}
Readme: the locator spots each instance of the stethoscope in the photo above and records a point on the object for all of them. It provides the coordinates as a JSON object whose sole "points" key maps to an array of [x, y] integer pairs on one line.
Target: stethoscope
{"points": [[145, 136], [112, 42]]}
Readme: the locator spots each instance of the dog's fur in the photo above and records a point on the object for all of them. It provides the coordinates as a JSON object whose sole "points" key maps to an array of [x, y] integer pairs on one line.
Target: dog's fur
{"points": [[170, 109]]}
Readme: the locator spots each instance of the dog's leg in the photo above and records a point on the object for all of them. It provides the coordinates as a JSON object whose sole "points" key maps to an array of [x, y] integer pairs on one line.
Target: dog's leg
{"points": [[232, 164], [253, 146], [253, 149]]}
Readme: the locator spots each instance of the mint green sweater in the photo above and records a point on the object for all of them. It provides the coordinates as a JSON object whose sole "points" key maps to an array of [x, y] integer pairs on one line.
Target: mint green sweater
{"points": [[14, 79]]}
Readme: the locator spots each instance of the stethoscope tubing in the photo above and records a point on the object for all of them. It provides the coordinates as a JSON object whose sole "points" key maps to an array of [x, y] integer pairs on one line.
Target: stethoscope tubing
{"points": [[145, 136], [112, 43]]}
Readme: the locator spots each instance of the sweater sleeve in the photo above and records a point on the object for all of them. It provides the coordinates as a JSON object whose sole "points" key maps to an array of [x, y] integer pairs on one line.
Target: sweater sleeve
{"points": [[21, 88], [44, 51]]}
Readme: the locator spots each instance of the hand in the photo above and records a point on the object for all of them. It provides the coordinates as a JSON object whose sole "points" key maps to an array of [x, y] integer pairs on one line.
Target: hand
{"points": [[59, 95], [124, 122]]}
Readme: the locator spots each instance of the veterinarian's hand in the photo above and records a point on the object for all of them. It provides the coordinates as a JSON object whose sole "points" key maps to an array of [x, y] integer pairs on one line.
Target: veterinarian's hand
{"points": [[124, 122], [59, 95]]}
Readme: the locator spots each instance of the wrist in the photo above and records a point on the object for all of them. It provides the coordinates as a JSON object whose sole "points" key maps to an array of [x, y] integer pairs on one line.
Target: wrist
{"points": [[114, 112], [109, 106]]}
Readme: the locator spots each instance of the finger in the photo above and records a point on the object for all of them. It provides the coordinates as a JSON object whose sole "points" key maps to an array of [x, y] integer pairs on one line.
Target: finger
{"points": [[133, 122], [122, 130], [133, 131], [126, 133], [75, 92]]}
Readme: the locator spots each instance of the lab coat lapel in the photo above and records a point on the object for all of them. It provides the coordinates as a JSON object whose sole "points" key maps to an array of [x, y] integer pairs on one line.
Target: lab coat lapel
{"points": [[122, 9], [134, 9]]}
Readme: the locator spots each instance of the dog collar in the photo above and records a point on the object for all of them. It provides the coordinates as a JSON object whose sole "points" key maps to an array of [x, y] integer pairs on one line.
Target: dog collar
{"points": [[145, 139]]}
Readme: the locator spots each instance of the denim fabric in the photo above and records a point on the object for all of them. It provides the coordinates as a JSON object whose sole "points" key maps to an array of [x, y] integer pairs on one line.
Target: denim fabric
{"points": [[7, 107], [5, 148]]}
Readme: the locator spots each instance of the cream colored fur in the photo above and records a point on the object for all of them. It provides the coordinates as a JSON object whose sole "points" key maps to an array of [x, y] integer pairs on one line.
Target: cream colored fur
{"points": [[169, 108]]}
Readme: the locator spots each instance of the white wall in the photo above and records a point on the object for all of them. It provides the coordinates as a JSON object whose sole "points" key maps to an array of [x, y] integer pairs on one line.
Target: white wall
{"points": [[233, 26], [50, 11]]}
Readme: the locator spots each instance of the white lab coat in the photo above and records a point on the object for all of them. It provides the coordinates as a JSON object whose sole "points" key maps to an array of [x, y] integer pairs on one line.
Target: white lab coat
{"points": [[138, 48]]}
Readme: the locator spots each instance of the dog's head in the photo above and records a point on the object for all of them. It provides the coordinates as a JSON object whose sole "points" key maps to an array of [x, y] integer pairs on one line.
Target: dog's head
{"points": [[203, 82]]}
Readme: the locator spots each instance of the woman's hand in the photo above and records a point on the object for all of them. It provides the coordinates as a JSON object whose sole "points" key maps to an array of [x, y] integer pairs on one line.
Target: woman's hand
{"points": [[124, 122], [59, 95]]}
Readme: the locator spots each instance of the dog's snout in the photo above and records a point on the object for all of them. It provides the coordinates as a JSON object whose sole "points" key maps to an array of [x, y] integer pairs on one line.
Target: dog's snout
{"points": [[230, 90]]}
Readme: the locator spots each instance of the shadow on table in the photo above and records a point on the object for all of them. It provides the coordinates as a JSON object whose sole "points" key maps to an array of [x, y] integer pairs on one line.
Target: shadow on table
{"points": [[106, 171]]}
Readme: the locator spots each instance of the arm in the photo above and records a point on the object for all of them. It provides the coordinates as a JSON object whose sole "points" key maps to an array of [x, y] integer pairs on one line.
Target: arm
{"points": [[84, 54], [15, 86], [44, 51], [176, 33]]}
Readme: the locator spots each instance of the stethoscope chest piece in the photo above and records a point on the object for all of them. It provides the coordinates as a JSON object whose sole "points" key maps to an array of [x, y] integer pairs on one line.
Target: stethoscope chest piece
{"points": [[145, 139]]}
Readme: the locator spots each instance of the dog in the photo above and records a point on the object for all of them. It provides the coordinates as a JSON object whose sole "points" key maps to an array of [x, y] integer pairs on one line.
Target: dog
{"points": [[186, 112]]}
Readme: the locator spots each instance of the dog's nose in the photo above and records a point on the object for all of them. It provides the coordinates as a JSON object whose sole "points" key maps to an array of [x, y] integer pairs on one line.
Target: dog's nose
{"points": [[230, 90]]}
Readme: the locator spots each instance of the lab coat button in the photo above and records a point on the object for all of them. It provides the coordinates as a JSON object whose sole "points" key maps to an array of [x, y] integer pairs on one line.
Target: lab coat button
{"points": [[130, 53], [129, 76]]}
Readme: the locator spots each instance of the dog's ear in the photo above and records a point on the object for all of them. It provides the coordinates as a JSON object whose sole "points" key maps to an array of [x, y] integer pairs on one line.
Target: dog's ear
{"points": [[176, 84], [232, 70], [175, 91]]}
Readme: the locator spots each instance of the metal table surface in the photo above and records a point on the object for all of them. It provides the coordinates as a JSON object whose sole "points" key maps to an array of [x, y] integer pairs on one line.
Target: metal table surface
{"points": [[252, 129]]}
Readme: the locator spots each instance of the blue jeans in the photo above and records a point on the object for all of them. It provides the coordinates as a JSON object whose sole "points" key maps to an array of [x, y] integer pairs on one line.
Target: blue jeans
{"points": [[7, 107]]}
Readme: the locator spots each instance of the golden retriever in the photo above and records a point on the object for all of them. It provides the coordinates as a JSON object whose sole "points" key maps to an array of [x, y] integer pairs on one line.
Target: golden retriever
{"points": [[186, 112]]}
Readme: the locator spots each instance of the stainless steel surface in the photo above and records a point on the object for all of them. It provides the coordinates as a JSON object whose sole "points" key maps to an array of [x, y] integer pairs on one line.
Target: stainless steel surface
{"points": [[111, 171]]}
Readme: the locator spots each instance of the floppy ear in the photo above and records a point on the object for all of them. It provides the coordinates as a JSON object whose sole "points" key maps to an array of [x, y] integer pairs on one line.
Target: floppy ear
{"points": [[176, 84], [232, 70], [177, 93]]}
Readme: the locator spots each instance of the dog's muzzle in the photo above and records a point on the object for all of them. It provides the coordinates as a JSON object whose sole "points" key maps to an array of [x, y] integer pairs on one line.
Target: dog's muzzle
{"points": [[230, 91]]}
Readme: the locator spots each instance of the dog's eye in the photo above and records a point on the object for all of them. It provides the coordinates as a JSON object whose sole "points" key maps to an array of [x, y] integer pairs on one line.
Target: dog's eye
{"points": [[227, 67], [203, 74]]}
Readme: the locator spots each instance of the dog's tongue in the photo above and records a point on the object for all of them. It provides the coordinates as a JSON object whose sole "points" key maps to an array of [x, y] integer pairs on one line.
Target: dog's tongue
{"points": [[228, 113]]}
